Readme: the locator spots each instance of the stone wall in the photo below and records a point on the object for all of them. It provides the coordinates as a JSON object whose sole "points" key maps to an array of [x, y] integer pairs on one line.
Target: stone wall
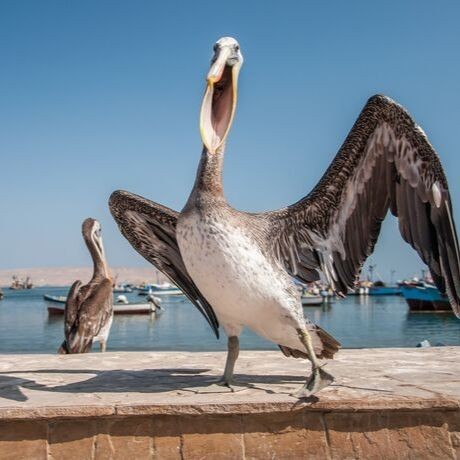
{"points": [[278, 435], [384, 404]]}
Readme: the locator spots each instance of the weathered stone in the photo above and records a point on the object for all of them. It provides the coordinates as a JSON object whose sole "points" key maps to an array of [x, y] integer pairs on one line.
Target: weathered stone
{"points": [[212, 437], [125, 438], [396, 403], [167, 437], [23, 440], [140, 383], [453, 422], [388, 434], [71, 438], [284, 436]]}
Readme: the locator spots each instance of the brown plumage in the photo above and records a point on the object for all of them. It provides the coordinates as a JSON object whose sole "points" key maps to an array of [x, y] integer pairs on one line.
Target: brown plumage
{"points": [[385, 163], [89, 309]]}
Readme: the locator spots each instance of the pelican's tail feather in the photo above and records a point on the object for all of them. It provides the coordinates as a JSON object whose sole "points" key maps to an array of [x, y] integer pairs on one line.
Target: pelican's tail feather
{"points": [[324, 344]]}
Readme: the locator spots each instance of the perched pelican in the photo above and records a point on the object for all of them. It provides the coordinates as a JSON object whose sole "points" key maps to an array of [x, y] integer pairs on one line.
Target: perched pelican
{"points": [[89, 311], [237, 267]]}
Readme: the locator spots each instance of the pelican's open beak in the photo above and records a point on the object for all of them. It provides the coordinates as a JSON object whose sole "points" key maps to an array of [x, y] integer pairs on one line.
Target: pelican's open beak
{"points": [[219, 102]]}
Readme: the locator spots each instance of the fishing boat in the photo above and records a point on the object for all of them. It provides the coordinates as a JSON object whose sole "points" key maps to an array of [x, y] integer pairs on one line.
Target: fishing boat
{"points": [[122, 288], [380, 288], [311, 300], [19, 284], [425, 297], [118, 309], [361, 288], [55, 298], [120, 306], [160, 289]]}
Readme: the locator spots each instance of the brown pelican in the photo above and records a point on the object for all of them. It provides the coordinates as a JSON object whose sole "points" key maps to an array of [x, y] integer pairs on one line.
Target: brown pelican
{"points": [[89, 311], [237, 267]]}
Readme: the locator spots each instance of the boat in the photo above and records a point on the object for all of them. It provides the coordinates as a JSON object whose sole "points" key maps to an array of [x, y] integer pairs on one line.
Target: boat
{"points": [[380, 288], [118, 309], [160, 289], [361, 288], [122, 288], [55, 298], [311, 300], [19, 284], [425, 297]]}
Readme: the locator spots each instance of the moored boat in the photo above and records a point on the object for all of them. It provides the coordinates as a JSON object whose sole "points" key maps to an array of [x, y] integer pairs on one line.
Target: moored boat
{"points": [[311, 300], [160, 289], [55, 298], [424, 297], [118, 309], [122, 288], [380, 288]]}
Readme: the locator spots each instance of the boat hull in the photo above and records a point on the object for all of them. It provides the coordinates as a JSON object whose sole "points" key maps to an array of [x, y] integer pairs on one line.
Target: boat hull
{"points": [[129, 309], [384, 290], [312, 301], [53, 298], [425, 299]]}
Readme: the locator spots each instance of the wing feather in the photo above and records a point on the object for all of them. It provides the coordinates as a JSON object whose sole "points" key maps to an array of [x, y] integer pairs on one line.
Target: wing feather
{"points": [[151, 230], [385, 163], [93, 313]]}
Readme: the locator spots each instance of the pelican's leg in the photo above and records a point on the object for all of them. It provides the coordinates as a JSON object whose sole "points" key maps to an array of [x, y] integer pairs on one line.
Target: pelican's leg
{"points": [[319, 378], [103, 345], [233, 346]]}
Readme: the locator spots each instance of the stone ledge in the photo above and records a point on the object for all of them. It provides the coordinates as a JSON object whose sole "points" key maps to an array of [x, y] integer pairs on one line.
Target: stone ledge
{"points": [[176, 383], [385, 403]]}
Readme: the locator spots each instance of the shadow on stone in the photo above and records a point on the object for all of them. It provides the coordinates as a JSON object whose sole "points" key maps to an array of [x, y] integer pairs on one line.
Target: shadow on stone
{"points": [[139, 381], [10, 387]]}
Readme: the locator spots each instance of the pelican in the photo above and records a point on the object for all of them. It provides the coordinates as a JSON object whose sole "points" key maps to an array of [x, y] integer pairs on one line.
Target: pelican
{"points": [[89, 309], [238, 267]]}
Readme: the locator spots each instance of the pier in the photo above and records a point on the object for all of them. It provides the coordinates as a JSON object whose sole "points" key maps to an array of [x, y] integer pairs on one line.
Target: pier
{"points": [[385, 403]]}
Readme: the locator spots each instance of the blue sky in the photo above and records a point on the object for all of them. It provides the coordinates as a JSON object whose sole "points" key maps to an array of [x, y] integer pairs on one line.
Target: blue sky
{"points": [[96, 96]]}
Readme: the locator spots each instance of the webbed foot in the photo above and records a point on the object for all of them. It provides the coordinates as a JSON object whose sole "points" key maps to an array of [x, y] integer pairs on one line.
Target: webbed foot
{"points": [[231, 384], [318, 380]]}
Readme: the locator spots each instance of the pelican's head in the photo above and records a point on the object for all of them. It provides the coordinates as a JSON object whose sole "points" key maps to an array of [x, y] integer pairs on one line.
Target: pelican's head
{"points": [[91, 230], [219, 102]]}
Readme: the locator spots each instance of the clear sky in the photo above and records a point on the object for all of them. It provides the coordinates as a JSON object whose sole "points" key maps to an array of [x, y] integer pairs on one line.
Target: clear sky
{"points": [[101, 95]]}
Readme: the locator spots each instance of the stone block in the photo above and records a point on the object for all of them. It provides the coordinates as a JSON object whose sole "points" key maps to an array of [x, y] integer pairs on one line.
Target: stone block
{"points": [[295, 434], [453, 423], [167, 442], [212, 437], [23, 440], [129, 438], [388, 434], [72, 439]]}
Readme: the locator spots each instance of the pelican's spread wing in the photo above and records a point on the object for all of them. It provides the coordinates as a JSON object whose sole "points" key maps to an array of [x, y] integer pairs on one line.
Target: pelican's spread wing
{"points": [[386, 162], [151, 229]]}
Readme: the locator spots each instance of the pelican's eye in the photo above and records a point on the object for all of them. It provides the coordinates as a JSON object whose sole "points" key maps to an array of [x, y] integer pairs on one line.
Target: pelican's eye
{"points": [[237, 48]]}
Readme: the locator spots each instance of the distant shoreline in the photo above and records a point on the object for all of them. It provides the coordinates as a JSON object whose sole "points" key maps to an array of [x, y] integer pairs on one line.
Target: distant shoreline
{"points": [[65, 276]]}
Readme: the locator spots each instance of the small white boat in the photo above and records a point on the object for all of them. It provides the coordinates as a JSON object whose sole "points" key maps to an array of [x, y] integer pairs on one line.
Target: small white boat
{"points": [[311, 300], [118, 308], [160, 289], [55, 298], [121, 288]]}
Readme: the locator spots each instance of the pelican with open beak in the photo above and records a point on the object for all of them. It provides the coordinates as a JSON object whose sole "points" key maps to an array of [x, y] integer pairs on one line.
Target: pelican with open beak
{"points": [[219, 102], [237, 268]]}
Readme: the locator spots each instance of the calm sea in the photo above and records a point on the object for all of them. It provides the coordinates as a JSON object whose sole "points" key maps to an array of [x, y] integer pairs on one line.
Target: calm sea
{"points": [[25, 326]]}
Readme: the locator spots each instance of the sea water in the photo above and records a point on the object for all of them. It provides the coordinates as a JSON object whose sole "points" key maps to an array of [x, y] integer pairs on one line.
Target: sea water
{"points": [[357, 322]]}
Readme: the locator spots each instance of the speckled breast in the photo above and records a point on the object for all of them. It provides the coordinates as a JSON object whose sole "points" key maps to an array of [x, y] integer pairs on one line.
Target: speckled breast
{"points": [[230, 269]]}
